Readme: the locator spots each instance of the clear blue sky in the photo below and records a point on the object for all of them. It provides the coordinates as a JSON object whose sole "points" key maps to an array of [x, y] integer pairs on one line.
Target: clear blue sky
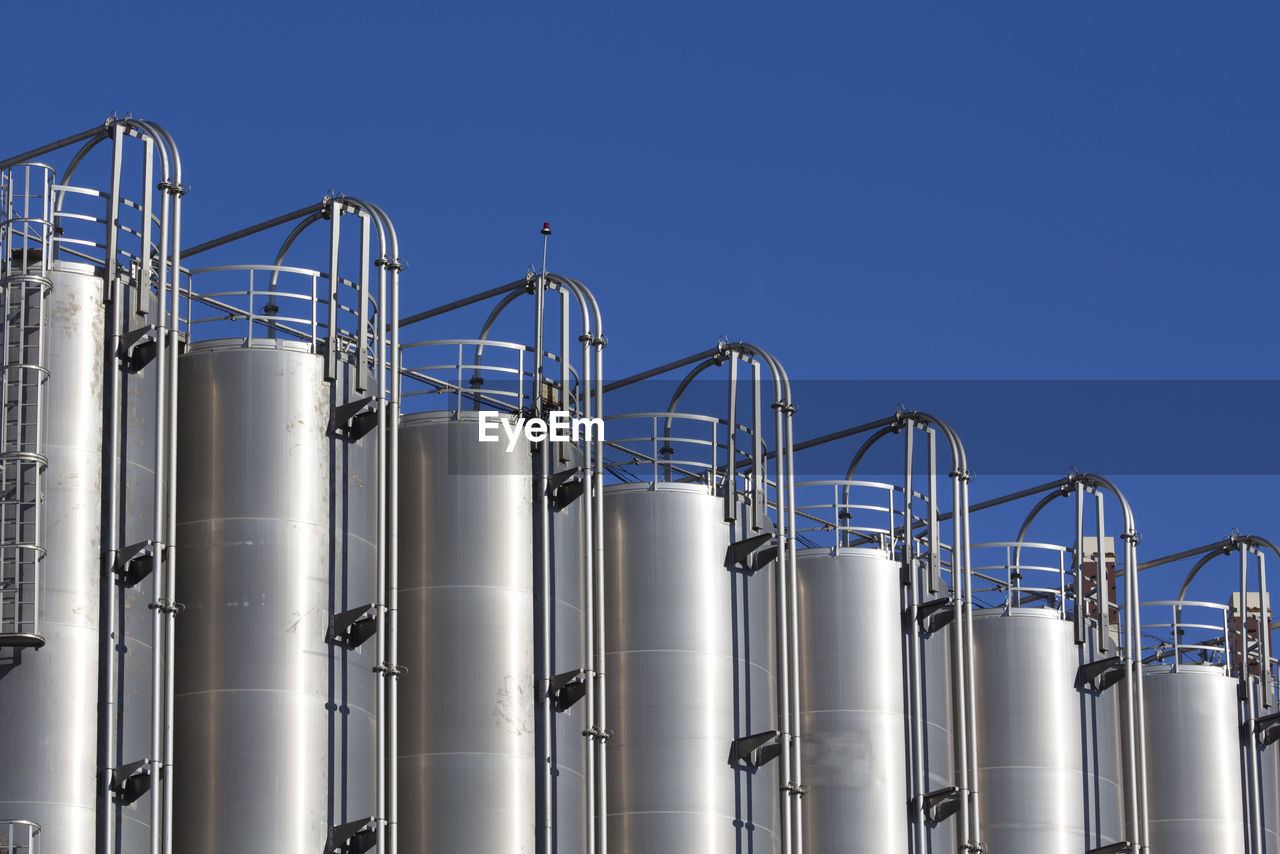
{"points": [[872, 191]]}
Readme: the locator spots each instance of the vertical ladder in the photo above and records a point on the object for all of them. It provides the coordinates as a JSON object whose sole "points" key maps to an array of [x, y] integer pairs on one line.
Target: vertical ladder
{"points": [[24, 289]]}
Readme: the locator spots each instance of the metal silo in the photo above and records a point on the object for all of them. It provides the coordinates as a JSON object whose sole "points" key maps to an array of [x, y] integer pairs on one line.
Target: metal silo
{"points": [[1056, 673], [500, 585], [877, 607], [699, 585], [1211, 712], [283, 658], [89, 314], [852, 714], [467, 753]]}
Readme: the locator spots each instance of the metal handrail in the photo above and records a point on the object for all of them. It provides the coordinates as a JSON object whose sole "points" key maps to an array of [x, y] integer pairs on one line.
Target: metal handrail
{"points": [[1159, 647], [848, 505], [469, 380], [257, 311], [659, 450], [27, 843]]}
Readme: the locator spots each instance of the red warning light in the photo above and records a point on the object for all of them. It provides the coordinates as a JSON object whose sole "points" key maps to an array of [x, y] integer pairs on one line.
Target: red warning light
{"points": [[546, 228]]}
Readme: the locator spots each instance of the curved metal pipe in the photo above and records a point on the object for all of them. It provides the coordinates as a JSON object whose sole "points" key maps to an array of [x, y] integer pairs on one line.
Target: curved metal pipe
{"points": [[961, 593]]}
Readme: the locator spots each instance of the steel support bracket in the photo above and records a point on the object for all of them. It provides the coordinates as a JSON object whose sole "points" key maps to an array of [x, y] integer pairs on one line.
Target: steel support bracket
{"points": [[755, 750], [1267, 729], [138, 347], [352, 627], [131, 780], [1100, 675], [135, 562], [940, 804], [752, 553], [355, 419], [1115, 848], [567, 688], [354, 837], [935, 614], [566, 487]]}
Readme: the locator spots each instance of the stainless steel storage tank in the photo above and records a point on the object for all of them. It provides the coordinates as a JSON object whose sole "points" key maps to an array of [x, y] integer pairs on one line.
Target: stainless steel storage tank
{"points": [[467, 760], [1049, 760], [1193, 760], [277, 535], [691, 657], [1269, 780], [1194, 763], [76, 697], [470, 556], [49, 696], [852, 714]]}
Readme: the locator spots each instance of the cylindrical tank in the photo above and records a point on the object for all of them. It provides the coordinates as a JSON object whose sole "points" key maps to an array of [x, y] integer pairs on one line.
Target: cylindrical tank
{"points": [[52, 735], [1269, 778], [851, 701], [1195, 793], [275, 724], [467, 705], [49, 696], [1049, 763], [467, 700], [690, 668]]}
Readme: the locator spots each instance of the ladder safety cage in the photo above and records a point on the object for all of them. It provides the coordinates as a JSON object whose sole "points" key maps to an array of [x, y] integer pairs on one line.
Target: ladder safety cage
{"points": [[19, 836], [26, 240]]}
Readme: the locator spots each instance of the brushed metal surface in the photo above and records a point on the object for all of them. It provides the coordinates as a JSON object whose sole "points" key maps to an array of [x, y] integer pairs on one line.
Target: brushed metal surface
{"points": [[690, 668], [1269, 779], [852, 718], [467, 706], [1195, 794], [1049, 765], [274, 729], [49, 696]]}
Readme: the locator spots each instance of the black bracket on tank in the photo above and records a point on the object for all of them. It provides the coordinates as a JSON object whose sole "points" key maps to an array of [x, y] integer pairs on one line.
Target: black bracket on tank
{"points": [[1267, 729], [352, 627], [751, 554], [1115, 848], [935, 614], [131, 780], [940, 804], [138, 347], [354, 837], [135, 562], [755, 750], [567, 688], [1100, 675], [353, 421], [566, 487]]}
